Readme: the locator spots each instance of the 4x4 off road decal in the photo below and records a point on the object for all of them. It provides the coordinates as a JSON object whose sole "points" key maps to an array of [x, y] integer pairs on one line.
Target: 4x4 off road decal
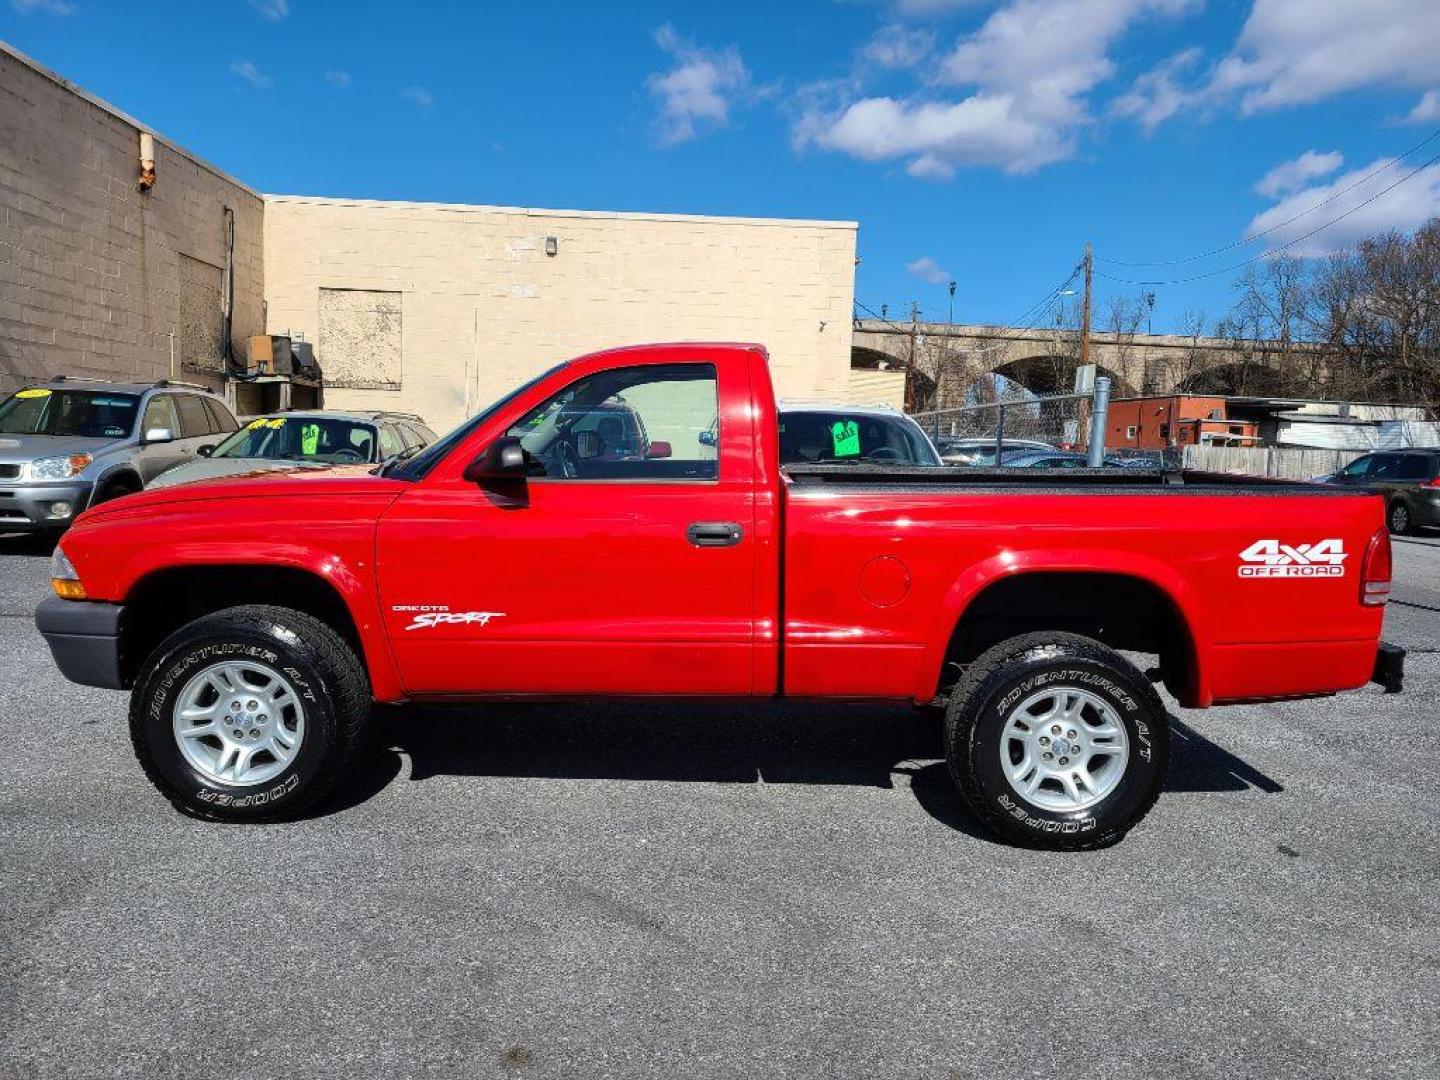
{"points": [[1272, 559]]}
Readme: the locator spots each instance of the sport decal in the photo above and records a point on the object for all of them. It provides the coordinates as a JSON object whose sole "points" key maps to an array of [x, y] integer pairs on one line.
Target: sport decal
{"points": [[429, 616]]}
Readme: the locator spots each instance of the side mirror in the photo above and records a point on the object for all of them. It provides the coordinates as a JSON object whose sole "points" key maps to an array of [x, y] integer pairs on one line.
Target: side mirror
{"points": [[159, 435], [206, 450], [504, 459], [658, 450]]}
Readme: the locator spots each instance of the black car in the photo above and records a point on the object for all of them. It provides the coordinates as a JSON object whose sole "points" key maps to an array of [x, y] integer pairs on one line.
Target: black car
{"points": [[1409, 480]]}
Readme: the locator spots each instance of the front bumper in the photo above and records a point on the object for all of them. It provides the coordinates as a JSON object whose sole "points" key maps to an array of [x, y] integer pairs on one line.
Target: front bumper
{"points": [[1390, 668], [33, 506], [84, 639]]}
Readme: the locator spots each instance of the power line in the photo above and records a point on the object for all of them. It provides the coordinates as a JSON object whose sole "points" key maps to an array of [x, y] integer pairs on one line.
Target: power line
{"points": [[1283, 247], [1288, 221]]}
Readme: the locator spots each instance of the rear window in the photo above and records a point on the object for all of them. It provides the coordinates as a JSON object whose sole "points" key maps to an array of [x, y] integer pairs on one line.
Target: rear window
{"points": [[92, 414], [831, 437]]}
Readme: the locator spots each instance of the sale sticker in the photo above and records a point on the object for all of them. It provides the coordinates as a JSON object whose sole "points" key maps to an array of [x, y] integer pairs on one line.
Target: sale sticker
{"points": [[845, 435]]}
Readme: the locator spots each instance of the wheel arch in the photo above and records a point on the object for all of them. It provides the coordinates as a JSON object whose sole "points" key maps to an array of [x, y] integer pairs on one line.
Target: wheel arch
{"points": [[165, 598], [1126, 602]]}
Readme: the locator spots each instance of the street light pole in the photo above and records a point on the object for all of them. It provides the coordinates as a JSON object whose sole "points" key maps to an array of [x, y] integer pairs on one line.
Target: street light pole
{"points": [[952, 303]]}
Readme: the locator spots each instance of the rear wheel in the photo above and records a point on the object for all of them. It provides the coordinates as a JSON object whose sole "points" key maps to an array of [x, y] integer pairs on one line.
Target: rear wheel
{"points": [[1399, 519], [1056, 741], [249, 714]]}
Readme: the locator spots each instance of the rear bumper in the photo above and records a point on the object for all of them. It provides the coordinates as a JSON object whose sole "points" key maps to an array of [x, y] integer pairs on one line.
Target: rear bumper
{"points": [[1390, 668], [84, 639], [38, 506]]}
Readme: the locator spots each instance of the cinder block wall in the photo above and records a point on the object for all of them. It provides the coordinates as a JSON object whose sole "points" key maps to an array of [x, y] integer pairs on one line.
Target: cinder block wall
{"points": [[439, 309], [94, 275]]}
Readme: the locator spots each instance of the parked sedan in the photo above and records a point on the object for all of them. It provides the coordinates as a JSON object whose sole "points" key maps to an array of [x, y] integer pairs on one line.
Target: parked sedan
{"points": [[305, 440], [979, 451], [1409, 479], [1053, 459]]}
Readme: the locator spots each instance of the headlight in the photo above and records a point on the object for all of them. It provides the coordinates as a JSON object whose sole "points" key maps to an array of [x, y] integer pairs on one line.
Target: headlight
{"points": [[59, 468], [63, 578]]}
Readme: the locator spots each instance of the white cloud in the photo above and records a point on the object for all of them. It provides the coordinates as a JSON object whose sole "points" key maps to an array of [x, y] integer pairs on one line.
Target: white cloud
{"points": [[1295, 173], [47, 7], [1405, 207], [247, 70], [928, 270], [418, 95], [1426, 110], [338, 78], [698, 93], [895, 46], [1296, 52], [274, 10], [1157, 95], [1031, 64]]}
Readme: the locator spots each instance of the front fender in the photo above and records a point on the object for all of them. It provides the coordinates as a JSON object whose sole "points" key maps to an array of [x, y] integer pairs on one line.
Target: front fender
{"points": [[1008, 564]]}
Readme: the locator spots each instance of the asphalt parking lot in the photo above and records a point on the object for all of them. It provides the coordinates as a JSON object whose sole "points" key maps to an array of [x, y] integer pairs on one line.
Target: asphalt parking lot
{"points": [[643, 890]]}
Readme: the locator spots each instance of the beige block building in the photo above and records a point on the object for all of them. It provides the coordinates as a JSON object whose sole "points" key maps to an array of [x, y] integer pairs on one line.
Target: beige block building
{"points": [[439, 309], [99, 277]]}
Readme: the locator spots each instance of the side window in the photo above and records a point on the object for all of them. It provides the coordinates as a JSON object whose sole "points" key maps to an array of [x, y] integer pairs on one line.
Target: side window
{"points": [[408, 436], [1359, 467], [221, 421], [1384, 467], [390, 443], [654, 422], [1413, 467], [194, 421], [160, 413]]}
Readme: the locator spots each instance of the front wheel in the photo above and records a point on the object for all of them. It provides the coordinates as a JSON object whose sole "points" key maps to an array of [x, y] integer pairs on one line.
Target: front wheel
{"points": [[249, 714], [1056, 741]]}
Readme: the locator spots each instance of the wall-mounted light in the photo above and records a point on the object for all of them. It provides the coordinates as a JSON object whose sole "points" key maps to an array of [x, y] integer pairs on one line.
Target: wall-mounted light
{"points": [[552, 246]]}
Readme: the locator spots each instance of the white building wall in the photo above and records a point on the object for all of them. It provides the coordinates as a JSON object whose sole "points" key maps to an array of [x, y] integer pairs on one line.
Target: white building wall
{"points": [[482, 307]]}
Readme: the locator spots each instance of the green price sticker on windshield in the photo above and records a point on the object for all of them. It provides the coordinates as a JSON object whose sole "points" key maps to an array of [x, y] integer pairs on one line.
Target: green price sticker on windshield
{"points": [[309, 439], [845, 435]]}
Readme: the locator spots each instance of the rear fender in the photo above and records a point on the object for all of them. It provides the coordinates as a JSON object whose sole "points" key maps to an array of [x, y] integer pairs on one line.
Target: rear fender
{"points": [[975, 579]]}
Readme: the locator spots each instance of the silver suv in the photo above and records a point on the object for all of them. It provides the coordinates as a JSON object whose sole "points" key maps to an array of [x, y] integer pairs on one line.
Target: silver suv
{"points": [[70, 443]]}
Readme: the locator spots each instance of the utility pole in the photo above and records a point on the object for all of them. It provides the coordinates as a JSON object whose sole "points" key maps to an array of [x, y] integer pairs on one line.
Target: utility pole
{"points": [[952, 303], [1085, 317], [910, 367]]}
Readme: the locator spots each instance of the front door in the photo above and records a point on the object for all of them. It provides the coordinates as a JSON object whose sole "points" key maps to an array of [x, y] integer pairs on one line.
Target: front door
{"points": [[624, 564], [154, 458]]}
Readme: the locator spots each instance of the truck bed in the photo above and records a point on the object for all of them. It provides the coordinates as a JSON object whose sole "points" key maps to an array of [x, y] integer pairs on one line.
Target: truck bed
{"points": [[1071, 481]]}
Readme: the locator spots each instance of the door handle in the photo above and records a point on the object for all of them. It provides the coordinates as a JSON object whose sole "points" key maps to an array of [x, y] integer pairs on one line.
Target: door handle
{"points": [[714, 533]]}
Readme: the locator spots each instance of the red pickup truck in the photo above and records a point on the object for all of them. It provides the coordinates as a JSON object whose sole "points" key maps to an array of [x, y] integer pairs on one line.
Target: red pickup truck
{"points": [[532, 552]]}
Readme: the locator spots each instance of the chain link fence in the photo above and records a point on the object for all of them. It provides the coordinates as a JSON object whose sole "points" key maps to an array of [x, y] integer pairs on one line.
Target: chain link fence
{"points": [[1058, 420]]}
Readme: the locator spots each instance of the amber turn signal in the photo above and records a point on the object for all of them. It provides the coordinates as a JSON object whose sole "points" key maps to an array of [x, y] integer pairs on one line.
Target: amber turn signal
{"points": [[67, 590]]}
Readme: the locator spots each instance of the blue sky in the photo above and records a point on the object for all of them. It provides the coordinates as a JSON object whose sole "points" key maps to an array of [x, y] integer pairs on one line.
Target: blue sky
{"points": [[980, 142]]}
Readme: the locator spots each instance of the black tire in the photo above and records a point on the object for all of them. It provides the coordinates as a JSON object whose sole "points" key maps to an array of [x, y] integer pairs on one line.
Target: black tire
{"points": [[317, 662], [115, 488], [1399, 518], [991, 692]]}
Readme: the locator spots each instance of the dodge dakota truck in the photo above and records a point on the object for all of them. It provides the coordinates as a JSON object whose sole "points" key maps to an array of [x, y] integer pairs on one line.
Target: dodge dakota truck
{"points": [[535, 552]]}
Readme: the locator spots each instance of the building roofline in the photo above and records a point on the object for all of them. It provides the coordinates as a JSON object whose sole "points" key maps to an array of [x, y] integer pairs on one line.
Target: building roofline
{"points": [[540, 212], [119, 114]]}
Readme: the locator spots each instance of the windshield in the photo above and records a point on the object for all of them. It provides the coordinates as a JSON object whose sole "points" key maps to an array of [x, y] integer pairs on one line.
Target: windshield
{"points": [[327, 440], [419, 465], [88, 413], [837, 437]]}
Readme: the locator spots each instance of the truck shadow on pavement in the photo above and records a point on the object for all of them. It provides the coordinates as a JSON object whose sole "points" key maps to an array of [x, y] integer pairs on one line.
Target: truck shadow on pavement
{"points": [[28, 543], [773, 742]]}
